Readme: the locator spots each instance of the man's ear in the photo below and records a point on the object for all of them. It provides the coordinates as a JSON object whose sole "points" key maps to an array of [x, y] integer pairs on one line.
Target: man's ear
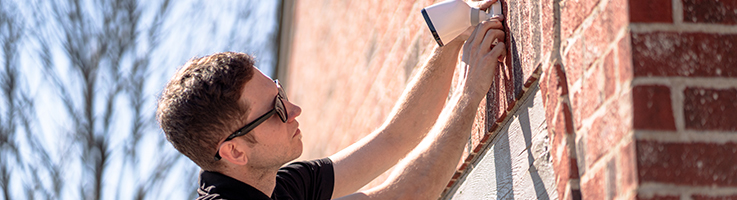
{"points": [[235, 152]]}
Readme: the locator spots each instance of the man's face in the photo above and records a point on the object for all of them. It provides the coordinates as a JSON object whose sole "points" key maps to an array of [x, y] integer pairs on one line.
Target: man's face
{"points": [[277, 142]]}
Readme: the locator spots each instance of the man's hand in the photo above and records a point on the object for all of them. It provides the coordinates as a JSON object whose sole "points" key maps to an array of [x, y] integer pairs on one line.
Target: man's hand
{"points": [[481, 54], [482, 5]]}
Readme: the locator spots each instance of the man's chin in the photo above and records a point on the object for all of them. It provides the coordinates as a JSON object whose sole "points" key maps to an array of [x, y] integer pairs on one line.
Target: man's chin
{"points": [[298, 152]]}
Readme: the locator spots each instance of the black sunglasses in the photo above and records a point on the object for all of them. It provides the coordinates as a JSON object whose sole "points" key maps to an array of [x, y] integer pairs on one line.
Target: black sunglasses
{"points": [[279, 109]]}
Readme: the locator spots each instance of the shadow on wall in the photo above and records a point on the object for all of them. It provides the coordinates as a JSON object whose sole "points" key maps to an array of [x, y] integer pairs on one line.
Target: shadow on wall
{"points": [[518, 164]]}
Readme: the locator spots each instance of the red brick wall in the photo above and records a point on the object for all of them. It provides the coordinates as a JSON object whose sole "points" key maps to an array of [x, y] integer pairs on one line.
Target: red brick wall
{"points": [[639, 95], [652, 89], [595, 67], [685, 98]]}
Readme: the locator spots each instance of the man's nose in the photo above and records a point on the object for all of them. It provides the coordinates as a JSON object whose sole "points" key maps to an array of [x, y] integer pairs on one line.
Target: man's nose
{"points": [[293, 111]]}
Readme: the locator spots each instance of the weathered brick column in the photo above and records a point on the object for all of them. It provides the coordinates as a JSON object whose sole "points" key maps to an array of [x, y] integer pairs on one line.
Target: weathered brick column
{"points": [[653, 97], [684, 56]]}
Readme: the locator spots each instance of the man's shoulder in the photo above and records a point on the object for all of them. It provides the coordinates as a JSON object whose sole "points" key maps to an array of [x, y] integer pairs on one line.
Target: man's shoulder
{"points": [[214, 185], [312, 179]]}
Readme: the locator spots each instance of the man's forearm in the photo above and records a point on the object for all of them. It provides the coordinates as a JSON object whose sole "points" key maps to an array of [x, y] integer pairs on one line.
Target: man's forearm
{"points": [[419, 106], [412, 117], [429, 166]]}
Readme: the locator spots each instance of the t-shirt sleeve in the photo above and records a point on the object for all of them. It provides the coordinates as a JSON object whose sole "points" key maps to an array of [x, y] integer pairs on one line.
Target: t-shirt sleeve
{"points": [[306, 180]]}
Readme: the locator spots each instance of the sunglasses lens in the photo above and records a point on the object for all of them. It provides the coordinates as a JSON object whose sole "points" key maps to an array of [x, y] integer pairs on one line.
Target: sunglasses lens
{"points": [[282, 93], [279, 105], [281, 110]]}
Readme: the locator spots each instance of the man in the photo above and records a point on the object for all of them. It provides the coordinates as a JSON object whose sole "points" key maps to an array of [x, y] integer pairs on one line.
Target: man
{"points": [[239, 126]]}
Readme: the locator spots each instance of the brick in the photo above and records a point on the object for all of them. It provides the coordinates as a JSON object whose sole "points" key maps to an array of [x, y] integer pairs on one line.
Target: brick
{"points": [[501, 95], [576, 104], [511, 88], [591, 97], [713, 197], [627, 163], [659, 197], [530, 81], [526, 37], [603, 30], [450, 184], [652, 108], [690, 164], [684, 54], [560, 130], [463, 167], [573, 13], [480, 122], [624, 59], [565, 119], [455, 176], [477, 149], [553, 85], [710, 109], [470, 158], [565, 172], [710, 11], [493, 127], [581, 150], [610, 75], [594, 187], [548, 22], [573, 60], [604, 131], [523, 44], [611, 179], [562, 165], [651, 11], [486, 138]]}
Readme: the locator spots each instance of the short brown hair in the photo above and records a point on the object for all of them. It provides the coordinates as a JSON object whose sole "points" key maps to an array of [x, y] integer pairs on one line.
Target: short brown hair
{"points": [[199, 106]]}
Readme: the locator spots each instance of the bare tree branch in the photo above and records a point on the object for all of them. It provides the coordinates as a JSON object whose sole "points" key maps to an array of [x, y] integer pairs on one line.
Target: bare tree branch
{"points": [[96, 58], [11, 33]]}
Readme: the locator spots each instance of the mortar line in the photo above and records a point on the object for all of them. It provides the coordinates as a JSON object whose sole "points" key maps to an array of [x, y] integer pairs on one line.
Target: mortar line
{"points": [[648, 189], [676, 100], [610, 154], [690, 136], [683, 28], [706, 82], [677, 7]]}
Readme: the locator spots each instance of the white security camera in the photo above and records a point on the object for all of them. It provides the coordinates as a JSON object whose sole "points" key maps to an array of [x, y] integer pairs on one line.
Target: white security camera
{"points": [[449, 19]]}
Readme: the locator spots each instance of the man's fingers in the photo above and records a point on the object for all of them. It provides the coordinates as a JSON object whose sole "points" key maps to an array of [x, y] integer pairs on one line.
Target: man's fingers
{"points": [[478, 35], [483, 29], [498, 50], [495, 23], [491, 38], [483, 5]]}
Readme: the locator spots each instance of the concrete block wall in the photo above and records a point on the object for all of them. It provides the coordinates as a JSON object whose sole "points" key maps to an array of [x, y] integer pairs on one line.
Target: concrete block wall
{"points": [[638, 96], [515, 164]]}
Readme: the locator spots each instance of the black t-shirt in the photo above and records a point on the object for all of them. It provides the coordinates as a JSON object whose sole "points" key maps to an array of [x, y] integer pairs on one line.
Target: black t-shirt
{"points": [[299, 180]]}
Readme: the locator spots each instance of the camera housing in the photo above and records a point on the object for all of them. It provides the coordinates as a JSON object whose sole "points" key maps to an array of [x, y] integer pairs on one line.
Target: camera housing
{"points": [[446, 20]]}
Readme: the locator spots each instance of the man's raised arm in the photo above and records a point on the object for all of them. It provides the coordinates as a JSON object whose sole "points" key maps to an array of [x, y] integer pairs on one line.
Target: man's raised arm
{"points": [[412, 118], [426, 170]]}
